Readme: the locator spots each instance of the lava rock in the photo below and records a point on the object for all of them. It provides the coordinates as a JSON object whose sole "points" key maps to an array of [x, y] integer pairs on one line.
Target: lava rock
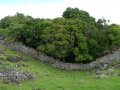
{"points": [[14, 58]]}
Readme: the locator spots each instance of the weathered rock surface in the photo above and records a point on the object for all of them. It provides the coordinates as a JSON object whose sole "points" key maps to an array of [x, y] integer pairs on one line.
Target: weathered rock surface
{"points": [[14, 58], [15, 76]]}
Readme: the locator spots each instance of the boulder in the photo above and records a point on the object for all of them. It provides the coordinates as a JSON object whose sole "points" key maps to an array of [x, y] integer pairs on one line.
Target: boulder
{"points": [[14, 58]]}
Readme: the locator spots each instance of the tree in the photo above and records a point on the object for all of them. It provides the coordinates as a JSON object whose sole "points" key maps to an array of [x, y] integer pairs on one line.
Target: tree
{"points": [[76, 37], [114, 35], [75, 13], [71, 13], [56, 41]]}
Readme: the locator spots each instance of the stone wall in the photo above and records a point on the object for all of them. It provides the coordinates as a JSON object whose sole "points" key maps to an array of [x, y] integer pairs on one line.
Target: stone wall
{"points": [[102, 62]]}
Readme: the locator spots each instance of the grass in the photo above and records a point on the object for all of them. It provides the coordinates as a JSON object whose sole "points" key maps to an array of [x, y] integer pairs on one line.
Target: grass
{"points": [[49, 78]]}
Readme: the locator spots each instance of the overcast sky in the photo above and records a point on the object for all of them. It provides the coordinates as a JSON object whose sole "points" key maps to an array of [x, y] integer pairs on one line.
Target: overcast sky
{"points": [[109, 9]]}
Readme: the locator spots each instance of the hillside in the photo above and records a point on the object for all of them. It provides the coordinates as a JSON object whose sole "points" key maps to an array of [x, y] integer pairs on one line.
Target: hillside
{"points": [[49, 78]]}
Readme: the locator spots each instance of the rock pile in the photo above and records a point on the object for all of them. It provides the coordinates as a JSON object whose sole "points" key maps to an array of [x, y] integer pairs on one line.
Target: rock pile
{"points": [[15, 76], [110, 72]]}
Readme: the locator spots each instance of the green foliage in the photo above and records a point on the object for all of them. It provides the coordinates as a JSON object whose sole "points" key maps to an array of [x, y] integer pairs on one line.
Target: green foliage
{"points": [[55, 38], [76, 36], [71, 13], [42, 48], [114, 34], [75, 13], [81, 50]]}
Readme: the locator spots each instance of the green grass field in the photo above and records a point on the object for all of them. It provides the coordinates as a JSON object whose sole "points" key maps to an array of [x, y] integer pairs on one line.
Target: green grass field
{"points": [[49, 78]]}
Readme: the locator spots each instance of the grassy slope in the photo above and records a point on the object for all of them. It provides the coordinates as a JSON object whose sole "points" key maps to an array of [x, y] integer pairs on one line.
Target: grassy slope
{"points": [[49, 78]]}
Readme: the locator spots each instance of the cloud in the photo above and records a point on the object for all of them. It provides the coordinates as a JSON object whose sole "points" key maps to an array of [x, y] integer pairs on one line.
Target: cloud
{"points": [[109, 9]]}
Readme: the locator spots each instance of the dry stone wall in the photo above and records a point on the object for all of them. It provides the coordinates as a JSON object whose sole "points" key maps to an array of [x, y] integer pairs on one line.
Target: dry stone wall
{"points": [[102, 62]]}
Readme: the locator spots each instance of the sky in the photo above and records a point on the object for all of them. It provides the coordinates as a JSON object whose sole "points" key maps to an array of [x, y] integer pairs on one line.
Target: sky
{"points": [[108, 9]]}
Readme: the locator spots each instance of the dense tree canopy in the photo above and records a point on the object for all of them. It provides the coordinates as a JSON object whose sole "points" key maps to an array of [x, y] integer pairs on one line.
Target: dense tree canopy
{"points": [[75, 37]]}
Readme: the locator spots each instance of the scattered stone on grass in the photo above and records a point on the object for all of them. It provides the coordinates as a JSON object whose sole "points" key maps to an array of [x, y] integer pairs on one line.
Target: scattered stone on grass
{"points": [[80, 80], [88, 73], [110, 71], [21, 65], [18, 65], [98, 72], [15, 76], [101, 76], [115, 74]]}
